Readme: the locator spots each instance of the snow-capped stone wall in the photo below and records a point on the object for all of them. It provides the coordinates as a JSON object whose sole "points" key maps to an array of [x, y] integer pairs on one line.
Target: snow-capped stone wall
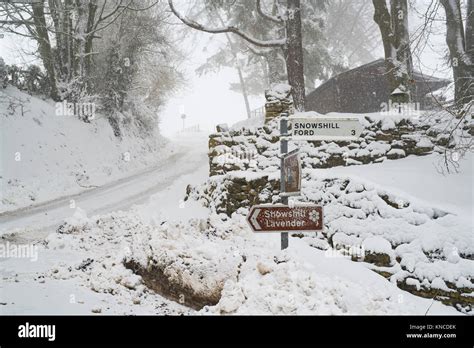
{"points": [[257, 149], [278, 100], [239, 189], [241, 160], [399, 238]]}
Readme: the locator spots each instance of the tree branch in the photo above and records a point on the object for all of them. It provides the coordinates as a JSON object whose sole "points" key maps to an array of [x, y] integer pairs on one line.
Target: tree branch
{"points": [[15, 22], [229, 29]]}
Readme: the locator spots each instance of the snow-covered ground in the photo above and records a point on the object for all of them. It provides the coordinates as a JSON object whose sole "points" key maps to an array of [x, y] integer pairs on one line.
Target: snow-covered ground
{"points": [[30, 284], [46, 154], [83, 266], [24, 290], [405, 209], [135, 210], [417, 178]]}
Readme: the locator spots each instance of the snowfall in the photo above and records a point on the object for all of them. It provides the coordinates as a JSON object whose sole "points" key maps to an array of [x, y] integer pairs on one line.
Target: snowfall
{"points": [[83, 202]]}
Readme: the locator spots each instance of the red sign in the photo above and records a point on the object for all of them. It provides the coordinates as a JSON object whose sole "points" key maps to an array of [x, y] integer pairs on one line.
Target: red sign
{"points": [[281, 218]]}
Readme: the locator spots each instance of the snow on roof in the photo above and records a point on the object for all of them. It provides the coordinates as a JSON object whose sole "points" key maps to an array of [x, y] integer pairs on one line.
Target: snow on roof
{"points": [[400, 90], [379, 62]]}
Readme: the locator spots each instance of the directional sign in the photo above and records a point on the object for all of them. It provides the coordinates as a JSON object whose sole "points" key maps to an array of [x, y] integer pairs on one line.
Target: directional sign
{"points": [[281, 218], [292, 173], [325, 128]]}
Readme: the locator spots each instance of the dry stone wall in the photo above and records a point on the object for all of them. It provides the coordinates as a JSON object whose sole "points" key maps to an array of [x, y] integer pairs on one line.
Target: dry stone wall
{"points": [[257, 149], [244, 171]]}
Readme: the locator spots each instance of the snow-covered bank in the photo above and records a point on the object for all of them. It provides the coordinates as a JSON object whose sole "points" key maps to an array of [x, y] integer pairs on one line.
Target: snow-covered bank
{"points": [[26, 289], [208, 253], [248, 272], [63, 264], [45, 156], [418, 178], [220, 257], [413, 224]]}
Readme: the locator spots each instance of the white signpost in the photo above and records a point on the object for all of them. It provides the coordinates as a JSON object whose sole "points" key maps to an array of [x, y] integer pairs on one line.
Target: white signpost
{"points": [[320, 128], [325, 128]]}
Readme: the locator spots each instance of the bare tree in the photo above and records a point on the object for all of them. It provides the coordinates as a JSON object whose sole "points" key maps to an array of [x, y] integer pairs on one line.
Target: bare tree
{"points": [[450, 121], [237, 63], [461, 48], [290, 42], [64, 31], [294, 53], [393, 25], [44, 45]]}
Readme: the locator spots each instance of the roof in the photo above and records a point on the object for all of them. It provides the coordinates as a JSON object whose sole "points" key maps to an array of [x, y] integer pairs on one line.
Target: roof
{"points": [[379, 63]]}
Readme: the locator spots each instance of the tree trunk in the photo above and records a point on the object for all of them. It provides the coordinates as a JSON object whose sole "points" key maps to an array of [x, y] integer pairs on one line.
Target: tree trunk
{"points": [[275, 58], [55, 10], [243, 86], [292, 44], [70, 40], [470, 29], [404, 64], [461, 60], [44, 47], [266, 74], [89, 36], [294, 54], [80, 37], [393, 27], [276, 67]]}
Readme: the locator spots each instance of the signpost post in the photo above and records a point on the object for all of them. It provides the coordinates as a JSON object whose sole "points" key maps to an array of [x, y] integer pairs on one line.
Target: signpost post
{"points": [[183, 117], [283, 151], [282, 218]]}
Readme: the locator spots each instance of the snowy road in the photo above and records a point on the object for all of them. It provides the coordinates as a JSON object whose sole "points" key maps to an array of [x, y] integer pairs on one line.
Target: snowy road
{"points": [[36, 222], [24, 290]]}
